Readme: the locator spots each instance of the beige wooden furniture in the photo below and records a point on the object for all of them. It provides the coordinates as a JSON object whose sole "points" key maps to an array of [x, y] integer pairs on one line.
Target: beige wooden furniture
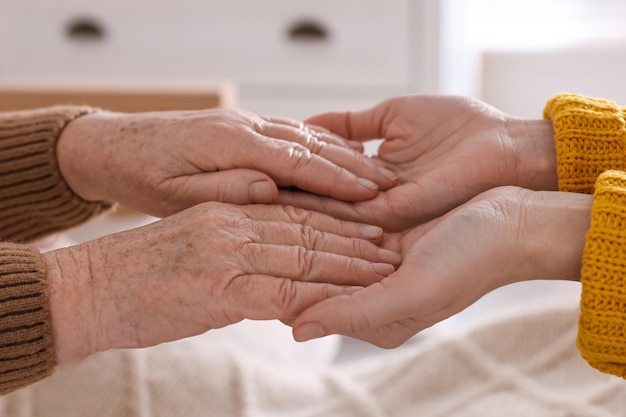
{"points": [[291, 58], [116, 95]]}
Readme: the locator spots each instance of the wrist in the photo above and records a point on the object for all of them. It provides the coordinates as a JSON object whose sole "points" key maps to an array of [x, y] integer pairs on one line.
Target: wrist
{"points": [[535, 154], [555, 239], [70, 306], [93, 307], [79, 155], [84, 312]]}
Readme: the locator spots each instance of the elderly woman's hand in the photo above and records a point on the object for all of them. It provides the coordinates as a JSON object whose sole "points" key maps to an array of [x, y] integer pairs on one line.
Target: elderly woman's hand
{"points": [[502, 236], [162, 162], [204, 268], [445, 150]]}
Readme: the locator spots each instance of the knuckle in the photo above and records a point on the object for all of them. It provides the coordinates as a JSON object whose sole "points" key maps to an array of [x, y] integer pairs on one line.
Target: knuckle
{"points": [[300, 157], [258, 124], [310, 237], [360, 248], [298, 215], [304, 262], [314, 143], [286, 297], [222, 192]]}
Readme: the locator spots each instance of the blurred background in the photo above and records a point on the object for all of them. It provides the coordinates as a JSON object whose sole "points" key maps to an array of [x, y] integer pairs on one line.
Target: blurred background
{"points": [[296, 58]]}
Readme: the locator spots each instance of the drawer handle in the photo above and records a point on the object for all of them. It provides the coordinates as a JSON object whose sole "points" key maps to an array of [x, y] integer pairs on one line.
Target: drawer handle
{"points": [[85, 29], [308, 31]]}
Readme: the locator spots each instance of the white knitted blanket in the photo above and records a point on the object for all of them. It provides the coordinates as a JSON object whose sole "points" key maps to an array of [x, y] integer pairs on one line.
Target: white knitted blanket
{"points": [[522, 365]]}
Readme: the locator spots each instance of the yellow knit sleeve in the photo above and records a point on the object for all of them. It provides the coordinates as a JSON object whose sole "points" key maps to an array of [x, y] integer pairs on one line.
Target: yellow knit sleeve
{"points": [[589, 135], [602, 323]]}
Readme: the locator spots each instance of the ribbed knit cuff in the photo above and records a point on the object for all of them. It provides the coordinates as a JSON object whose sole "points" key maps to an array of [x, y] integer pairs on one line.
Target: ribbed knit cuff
{"points": [[589, 139], [602, 324], [26, 347], [34, 198]]}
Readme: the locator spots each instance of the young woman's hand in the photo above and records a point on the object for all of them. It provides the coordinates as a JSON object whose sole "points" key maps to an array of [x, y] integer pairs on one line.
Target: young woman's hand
{"points": [[445, 150], [502, 236]]}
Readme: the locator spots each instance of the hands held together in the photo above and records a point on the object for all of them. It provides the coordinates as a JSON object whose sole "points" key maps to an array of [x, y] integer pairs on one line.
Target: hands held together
{"points": [[450, 187], [209, 263], [474, 209]]}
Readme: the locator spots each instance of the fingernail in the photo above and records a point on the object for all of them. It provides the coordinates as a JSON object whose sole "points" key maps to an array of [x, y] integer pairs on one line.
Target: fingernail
{"points": [[309, 331], [371, 232], [383, 269], [260, 192], [389, 256], [387, 173], [364, 182]]}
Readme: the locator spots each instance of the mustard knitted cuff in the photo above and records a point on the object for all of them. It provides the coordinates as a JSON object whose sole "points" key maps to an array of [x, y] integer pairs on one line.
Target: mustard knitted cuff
{"points": [[35, 200], [602, 324], [26, 347], [589, 135]]}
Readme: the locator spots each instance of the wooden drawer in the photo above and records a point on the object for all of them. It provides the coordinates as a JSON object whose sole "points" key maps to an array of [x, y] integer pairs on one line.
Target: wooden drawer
{"points": [[329, 42]]}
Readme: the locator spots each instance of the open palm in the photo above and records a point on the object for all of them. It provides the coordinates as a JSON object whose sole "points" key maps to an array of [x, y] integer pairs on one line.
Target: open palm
{"points": [[501, 236], [444, 149]]}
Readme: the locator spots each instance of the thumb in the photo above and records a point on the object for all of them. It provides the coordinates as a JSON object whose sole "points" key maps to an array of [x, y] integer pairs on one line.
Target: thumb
{"points": [[234, 186], [357, 126], [363, 315]]}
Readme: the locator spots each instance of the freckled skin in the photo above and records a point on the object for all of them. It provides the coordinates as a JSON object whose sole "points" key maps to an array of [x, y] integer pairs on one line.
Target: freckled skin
{"points": [[162, 162], [206, 267]]}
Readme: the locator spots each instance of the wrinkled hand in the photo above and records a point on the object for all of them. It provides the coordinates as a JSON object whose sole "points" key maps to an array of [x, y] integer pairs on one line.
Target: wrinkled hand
{"points": [[445, 150], [206, 267], [500, 237], [162, 162]]}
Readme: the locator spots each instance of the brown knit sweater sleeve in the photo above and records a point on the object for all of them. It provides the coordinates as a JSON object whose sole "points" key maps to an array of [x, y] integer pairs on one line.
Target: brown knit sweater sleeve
{"points": [[26, 348], [34, 198], [34, 201]]}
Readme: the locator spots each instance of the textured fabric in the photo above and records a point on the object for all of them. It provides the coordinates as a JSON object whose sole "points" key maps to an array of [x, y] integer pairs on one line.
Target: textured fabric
{"points": [[519, 365], [34, 201], [34, 198], [602, 326], [26, 349], [589, 135]]}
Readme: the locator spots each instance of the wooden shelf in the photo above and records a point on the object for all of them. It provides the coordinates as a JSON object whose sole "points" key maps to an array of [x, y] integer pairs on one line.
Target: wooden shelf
{"points": [[116, 95]]}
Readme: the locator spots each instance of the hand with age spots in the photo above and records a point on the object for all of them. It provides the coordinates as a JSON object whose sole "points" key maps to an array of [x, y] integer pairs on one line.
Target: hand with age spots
{"points": [[203, 268], [163, 162]]}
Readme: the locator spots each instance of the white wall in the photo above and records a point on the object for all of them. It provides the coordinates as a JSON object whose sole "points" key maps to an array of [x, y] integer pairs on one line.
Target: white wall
{"points": [[517, 54]]}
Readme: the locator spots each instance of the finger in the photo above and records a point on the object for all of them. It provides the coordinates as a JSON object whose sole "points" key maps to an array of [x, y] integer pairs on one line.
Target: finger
{"points": [[394, 210], [281, 233], [379, 314], [234, 186], [318, 221], [338, 209], [292, 164], [355, 125], [355, 162], [298, 263], [318, 131], [262, 297]]}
